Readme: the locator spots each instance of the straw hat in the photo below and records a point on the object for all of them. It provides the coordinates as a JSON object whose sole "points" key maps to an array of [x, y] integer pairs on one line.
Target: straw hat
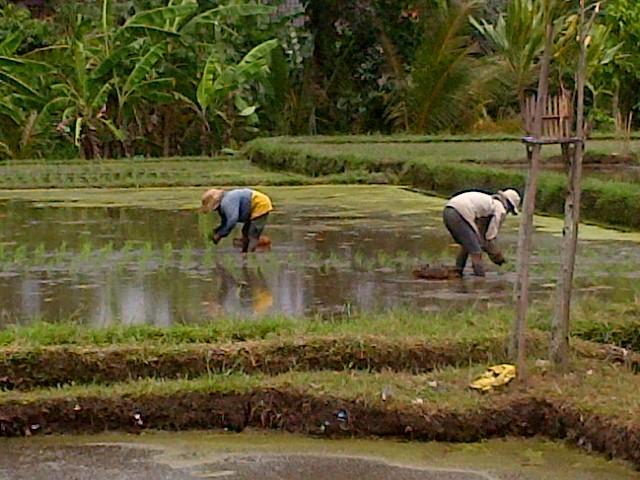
{"points": [[211, 200], [512, 198]]}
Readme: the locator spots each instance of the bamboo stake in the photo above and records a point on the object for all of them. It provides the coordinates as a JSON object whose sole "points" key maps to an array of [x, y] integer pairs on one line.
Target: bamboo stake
{"points": [[521, 288], [559, 348]]}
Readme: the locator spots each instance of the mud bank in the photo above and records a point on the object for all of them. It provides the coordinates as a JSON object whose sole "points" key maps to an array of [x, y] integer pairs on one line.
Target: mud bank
{"points": [[520, 416], [29, 368], [24, 368]]}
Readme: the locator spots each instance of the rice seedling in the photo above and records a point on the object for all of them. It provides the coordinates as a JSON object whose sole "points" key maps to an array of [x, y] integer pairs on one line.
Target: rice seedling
{"points": [[127, 250], [146, 255], [358, 260], [20, 255], [39, 255], [271, 259], [208, 255], [382, 259], [167, 254], [291, 258], [86, 251], [186, 255], [106, 252]]}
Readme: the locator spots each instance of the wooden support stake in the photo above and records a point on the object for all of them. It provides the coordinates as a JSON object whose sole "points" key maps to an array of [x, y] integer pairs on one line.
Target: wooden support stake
{"points": [[525, 237], [559, 348], [521, 288]]}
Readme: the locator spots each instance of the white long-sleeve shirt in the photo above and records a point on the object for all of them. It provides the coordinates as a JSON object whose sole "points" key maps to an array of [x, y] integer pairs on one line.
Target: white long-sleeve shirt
{"points": [[475, 205]]}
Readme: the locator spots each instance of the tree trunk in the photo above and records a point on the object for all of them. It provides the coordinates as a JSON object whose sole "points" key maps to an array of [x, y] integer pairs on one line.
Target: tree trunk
{"points": [[615, 104], [166, 132], [90, 144]]}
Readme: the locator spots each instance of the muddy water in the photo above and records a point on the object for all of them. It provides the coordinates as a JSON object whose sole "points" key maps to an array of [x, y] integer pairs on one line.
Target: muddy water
{"points": [[248, 456], [332, 254]]}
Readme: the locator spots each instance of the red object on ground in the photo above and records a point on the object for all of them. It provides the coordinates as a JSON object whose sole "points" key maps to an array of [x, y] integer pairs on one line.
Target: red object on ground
{"points": [[264, 243]]}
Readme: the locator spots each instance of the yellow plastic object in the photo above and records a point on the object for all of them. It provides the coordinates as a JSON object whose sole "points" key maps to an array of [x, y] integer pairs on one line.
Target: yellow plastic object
{"points": [[495, 376]]}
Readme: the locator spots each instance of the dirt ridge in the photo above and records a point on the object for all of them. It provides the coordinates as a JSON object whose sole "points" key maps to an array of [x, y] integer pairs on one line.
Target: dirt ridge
{"points": [[27, 368], [291, 411]]}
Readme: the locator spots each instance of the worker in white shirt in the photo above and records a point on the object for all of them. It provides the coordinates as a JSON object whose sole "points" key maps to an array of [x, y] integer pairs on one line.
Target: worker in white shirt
{"points": [[473, 219]]}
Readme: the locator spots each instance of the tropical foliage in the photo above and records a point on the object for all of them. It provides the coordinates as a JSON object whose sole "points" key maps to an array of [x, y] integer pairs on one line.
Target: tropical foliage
{"points": [[177, 77], [171, 79]]}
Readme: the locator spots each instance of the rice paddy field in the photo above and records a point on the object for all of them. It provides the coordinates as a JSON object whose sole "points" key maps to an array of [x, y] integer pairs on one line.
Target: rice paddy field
{"points": [[117, 314]]}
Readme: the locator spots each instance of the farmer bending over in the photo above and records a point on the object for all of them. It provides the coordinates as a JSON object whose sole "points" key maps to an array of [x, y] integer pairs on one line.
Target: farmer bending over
{"points": [[473, 219], [244, 205]]}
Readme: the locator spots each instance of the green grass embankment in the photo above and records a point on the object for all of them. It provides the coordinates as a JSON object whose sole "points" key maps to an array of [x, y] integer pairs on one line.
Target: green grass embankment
{"points": [[445, 168], [47, 354]]}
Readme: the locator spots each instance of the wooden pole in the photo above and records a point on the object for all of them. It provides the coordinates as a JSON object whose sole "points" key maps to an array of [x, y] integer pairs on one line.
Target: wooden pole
{"points": [[559, 348], [521, 288]]}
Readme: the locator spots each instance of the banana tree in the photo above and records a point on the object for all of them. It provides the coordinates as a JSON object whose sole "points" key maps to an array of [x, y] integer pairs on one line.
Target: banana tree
{"points": [[25, 131], [228, 90], [114, 74], [24, 111], [104, 83], [177, 25]]}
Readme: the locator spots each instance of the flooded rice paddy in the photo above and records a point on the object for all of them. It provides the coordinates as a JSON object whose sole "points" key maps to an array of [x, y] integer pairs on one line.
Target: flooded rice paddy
{"points": [[269, 456], [140, 256]]}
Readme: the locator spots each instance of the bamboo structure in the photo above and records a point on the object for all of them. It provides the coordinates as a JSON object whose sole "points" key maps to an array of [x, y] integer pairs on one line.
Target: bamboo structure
{"points": [[557, 116]]}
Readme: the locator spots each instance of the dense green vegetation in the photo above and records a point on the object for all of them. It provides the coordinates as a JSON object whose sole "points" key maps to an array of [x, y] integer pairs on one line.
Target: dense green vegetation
{"points": [[187, 77]]}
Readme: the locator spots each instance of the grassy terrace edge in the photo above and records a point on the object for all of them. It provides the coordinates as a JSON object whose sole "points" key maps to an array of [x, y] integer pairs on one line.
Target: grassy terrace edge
{"points": [[152, 172], [30, 368], [26, 368], [442, 138], [557, 407], [604, 202]]}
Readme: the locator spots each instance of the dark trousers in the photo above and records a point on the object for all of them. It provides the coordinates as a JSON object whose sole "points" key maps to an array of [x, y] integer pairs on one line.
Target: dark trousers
{"points": [[251, 232], [463, 234]]}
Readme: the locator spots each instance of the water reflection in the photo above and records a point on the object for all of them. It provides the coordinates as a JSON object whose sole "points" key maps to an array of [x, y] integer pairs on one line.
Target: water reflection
{"points": [[137, 266]]}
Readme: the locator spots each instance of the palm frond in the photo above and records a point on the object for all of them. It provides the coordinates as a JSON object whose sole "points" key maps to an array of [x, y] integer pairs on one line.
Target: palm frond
{"points": [[443, 70]]}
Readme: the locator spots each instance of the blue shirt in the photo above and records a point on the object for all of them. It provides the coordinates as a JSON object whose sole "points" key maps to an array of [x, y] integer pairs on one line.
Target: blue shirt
{"points": [[235, 207]]}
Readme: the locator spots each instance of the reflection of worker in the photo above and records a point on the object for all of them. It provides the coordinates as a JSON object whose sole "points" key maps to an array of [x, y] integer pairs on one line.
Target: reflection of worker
{"points": [[254, 292], [473, 219], [244, 205], [250, 294]]}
